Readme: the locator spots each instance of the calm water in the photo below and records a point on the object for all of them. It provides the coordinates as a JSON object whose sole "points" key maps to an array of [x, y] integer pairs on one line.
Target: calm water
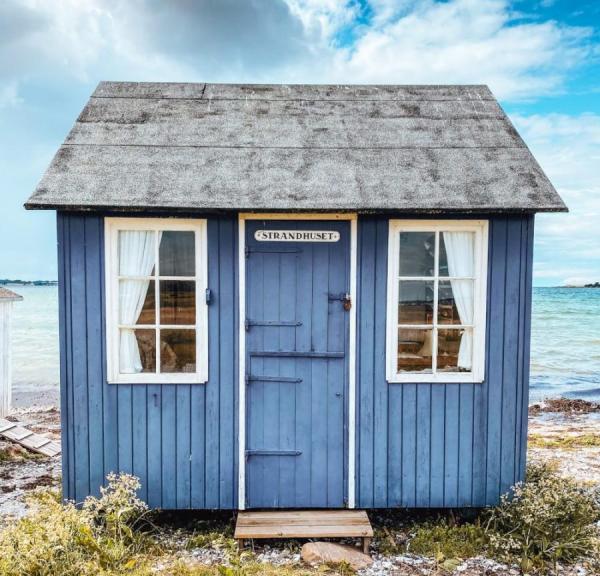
{"points": [[565, 354]]}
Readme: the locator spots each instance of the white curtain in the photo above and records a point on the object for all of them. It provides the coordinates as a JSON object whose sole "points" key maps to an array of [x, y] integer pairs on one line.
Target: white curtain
{"points": [[460, 249], [136, 258]]}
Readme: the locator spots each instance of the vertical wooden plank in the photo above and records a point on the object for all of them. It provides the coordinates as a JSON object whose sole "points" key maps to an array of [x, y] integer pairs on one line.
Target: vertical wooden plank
{"points": [[511, 353], [79, 350], [139, 396], [183, 448], [304, 298], [155, 447], [125, 427], [197, 440], [452, 434], [496, 359], [169, 446], [465, 446], [212, 424], [423, 470], [320, 400], [438, 425], [64, 317], [366, 351], [227, 352], [94, 269], [409, 444], [527, 297], [381, 387]]}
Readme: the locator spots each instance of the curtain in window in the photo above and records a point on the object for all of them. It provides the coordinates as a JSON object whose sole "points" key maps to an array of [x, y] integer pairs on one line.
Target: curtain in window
{"points": [[460, 250], [136, 258]]}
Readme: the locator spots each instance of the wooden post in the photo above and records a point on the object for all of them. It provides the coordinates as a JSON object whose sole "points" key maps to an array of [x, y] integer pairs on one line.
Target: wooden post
{"points": [[7, 297]]}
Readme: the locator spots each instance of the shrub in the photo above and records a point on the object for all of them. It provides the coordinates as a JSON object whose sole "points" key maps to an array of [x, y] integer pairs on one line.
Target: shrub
{"points": [[545, 520], [103, 537]]}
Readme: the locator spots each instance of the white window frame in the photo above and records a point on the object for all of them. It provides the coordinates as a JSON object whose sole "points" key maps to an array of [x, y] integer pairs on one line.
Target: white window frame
{"points": [[480, 228], [112, 226]]}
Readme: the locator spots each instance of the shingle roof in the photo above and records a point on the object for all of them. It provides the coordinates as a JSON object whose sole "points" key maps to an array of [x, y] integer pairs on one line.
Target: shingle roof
{"points": [[6, 294], [418, 149]]}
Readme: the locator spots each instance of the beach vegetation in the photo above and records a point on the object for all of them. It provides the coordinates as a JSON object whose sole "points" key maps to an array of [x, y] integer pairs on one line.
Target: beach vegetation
{"points": [[564, 442]]}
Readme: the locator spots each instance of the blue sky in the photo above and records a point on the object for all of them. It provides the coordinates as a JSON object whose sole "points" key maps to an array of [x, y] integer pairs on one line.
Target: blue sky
{"points": [[540, 58]]}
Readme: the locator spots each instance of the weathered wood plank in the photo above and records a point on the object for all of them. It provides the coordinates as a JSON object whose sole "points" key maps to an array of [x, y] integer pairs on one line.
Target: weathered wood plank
{"points": [[19, 433]]}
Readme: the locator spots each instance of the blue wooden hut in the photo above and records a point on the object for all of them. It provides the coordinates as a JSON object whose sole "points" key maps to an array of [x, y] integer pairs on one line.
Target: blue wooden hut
{"points": [[295, 296]]}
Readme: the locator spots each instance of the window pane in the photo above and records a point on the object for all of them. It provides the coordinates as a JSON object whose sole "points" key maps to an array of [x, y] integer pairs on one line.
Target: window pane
{"points": [[136, 302], [414, 350], [455, 302], [415, 302], [177, 254], [136, 252], [178, 302], [137, 351], [457, 251], [417, 253], [177, 350], [455, 350]]}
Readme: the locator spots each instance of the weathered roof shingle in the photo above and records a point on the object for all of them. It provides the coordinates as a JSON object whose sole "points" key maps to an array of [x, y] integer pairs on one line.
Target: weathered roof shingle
{"points": [[418, 149]]}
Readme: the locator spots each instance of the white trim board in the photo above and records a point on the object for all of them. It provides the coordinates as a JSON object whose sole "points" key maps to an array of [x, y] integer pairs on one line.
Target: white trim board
{"points": [[352, 217]]}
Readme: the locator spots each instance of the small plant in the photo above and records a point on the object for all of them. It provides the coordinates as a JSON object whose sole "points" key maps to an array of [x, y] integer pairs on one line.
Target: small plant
{"points": [[545, 520], [105, 536]]}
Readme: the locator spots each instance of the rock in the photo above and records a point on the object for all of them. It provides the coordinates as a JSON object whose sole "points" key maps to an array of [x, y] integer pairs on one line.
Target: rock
{"points": [[329, 552]]}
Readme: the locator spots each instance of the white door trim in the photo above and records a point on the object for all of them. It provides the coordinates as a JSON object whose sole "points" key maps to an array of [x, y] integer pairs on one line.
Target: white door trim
{"points": [[352, 217]]}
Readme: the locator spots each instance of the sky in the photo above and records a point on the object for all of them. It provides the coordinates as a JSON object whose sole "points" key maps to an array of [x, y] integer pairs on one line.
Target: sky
{"points": [[541, 58]]}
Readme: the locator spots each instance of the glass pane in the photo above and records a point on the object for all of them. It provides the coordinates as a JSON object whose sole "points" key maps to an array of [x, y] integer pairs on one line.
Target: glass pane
{"points": [[177, 350], [455, 302], [177, 254], [457, 254], [414, 350], [415, 302], [137, 351], [455, 350], [136, 252], [136, 302], [417, 253], [178, 302]]}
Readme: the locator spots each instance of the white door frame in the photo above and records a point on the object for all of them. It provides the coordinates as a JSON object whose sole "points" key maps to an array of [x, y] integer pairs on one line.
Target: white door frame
{"points": [[352, 217]]}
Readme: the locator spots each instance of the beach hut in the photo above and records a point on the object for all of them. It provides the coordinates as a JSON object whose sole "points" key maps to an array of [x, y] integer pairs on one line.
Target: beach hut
{"points": [[278, 296], [7, 297]]}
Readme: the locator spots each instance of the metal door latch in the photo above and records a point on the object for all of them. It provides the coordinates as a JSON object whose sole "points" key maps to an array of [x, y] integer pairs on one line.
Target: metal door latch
{"points": [[344, 298]]}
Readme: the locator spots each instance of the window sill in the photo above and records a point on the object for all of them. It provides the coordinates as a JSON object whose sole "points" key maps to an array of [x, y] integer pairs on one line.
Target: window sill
{"points": [[435, 379], [158, 379]]}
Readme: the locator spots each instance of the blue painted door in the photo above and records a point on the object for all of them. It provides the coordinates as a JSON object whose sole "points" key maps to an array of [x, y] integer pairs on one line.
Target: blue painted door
{"points": [[297, 280]]}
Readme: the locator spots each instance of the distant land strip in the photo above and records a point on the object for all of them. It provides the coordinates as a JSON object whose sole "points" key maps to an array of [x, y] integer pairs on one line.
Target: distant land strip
{"points": [[7, 281]]}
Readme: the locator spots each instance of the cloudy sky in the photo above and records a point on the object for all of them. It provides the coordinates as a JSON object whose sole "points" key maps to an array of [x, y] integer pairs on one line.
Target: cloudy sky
{"points": [[540, 57]]}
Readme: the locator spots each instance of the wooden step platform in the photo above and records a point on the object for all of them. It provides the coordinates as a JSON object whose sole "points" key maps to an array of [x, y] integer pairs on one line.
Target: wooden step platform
{"points": [[303, 524], [16, 432]]}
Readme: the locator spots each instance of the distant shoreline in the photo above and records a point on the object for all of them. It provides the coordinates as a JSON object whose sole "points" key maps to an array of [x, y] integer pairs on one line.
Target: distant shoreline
{"points": [[7, 282]]}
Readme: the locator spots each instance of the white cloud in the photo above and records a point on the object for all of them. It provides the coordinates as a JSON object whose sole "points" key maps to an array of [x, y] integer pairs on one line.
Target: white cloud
{"points": [[568, 149]]}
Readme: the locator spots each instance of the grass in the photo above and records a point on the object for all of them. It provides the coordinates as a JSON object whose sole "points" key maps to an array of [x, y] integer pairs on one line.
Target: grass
{"points": [[18, 454], [564, 442], [546, 520]]}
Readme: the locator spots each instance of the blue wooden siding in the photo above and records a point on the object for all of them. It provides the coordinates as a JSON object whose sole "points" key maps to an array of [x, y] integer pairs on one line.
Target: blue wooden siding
{"points": [[179, 439], [424, 445], [445, 445]]}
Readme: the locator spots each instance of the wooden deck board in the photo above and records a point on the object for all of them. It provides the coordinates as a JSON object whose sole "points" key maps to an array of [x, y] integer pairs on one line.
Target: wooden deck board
{"points": [[17, 433], [303, 524]]}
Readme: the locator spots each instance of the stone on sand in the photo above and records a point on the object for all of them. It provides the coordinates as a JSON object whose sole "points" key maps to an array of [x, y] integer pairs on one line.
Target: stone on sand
{"points": [[330, 552]]}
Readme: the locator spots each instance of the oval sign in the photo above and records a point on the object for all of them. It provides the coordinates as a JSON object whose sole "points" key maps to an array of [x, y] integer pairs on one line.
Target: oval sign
{"points": [[297, 235]]}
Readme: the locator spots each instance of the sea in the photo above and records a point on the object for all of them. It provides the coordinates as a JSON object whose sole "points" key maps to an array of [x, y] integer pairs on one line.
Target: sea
{"points": [[565, 344]]}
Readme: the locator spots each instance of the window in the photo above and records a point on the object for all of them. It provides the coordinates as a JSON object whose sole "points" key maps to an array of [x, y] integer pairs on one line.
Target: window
{"points": [[436, 301], [156, 271]]}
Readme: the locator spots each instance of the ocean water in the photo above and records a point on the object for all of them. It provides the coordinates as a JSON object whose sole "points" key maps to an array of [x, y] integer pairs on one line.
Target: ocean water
{"points": [[565, 344]]}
